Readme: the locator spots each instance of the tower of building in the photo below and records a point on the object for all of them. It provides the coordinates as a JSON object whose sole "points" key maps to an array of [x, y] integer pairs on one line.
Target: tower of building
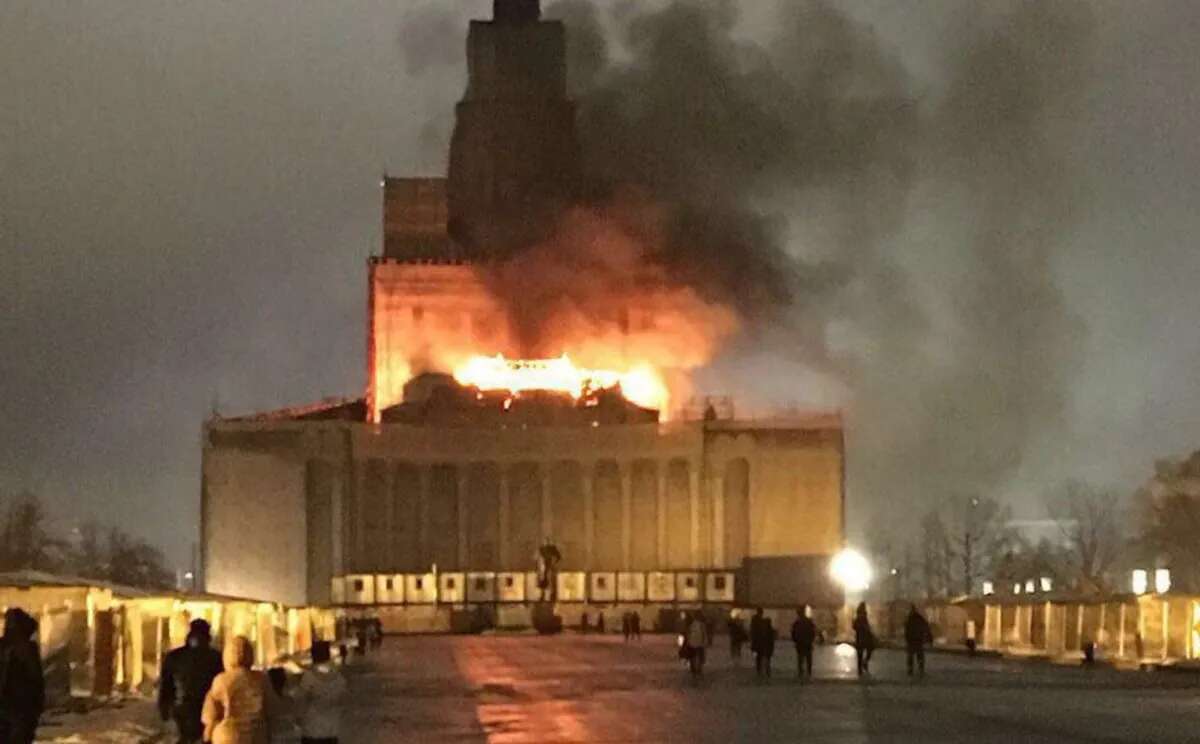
{"points": [[514, 156]]}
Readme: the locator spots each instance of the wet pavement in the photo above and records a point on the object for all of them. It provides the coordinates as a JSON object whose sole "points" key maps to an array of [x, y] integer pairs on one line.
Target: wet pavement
{"points": [[574, 688]]}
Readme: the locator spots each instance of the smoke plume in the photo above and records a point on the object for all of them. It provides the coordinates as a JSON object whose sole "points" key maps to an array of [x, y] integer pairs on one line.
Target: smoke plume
{"points": [[882, 242]]}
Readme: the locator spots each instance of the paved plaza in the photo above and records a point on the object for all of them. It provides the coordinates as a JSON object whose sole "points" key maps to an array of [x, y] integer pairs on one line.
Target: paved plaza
{"points": [[574, 688]]}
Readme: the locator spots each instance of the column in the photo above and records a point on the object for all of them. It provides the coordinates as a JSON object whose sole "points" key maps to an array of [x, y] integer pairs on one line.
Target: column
{"points": [[389, 511], [1166, 627], [1121, 636], [336, 527], [661, 471], [1079, 610], [1101, 634], [625, 470], [547, 501], [694, 511], [424, 549], [462, 472], [751, 502], [589, 513], [358, 537], [717, 534], [505, 517]]}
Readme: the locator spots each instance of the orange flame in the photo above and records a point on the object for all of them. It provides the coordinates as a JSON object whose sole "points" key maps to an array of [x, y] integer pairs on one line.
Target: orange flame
{"points": [[641, 384]]}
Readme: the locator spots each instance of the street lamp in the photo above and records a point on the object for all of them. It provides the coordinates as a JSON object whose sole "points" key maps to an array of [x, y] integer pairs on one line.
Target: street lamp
{"points": [[1140, 581], [1162, 580], [850, 569]]}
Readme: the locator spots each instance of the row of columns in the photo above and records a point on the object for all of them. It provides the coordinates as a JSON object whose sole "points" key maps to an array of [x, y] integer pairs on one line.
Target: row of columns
{"points": [[378, 502]]}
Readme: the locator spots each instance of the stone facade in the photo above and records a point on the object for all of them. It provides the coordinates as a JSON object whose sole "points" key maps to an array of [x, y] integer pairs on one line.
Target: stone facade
{"points": [[291, 505]]}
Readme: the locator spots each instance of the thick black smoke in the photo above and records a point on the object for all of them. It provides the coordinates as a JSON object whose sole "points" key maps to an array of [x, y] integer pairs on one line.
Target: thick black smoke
{"points": [[893, 241]]}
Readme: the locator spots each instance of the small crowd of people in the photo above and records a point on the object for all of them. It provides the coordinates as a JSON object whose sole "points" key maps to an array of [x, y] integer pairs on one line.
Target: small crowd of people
{"points": [[697, 636], [631, 626], [221, 699], [368, 634]]}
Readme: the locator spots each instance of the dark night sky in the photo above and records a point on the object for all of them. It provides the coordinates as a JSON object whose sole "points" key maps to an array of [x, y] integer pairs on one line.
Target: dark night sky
{"points": [[189, 191]]}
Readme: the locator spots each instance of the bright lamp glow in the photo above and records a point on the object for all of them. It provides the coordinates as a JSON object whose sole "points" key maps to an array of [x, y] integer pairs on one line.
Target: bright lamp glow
{"points": [[1162, 580], [851, 570], [1140, 581]]}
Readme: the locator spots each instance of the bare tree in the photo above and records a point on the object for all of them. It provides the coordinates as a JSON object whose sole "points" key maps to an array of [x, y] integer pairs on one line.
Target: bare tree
{"points": [[135, 562], [937, 555], [978, 537], [1090, 520], [26, 542], [1170, 511]]}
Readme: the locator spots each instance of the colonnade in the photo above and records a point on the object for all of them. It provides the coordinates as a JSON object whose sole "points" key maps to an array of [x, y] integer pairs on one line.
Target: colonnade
{"points": [[396, 516]]}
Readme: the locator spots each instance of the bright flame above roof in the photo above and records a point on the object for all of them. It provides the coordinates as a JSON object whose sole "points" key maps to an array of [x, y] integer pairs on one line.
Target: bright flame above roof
{"points": [[641, 384]]}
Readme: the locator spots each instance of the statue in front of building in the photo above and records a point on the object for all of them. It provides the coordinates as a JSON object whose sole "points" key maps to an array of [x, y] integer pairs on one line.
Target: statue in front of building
{"points": [[548, 559]]}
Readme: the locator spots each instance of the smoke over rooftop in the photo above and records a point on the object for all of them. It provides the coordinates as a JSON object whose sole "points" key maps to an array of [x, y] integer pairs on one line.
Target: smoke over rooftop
{"points": [[881, 244]]}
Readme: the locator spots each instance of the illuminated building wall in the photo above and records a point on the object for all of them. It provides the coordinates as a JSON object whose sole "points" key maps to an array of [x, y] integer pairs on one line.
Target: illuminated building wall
{"points": [[290, 504]]}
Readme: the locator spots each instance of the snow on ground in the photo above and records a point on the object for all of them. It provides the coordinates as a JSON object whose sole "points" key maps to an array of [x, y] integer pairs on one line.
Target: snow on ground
{"points": [[129, 721]]}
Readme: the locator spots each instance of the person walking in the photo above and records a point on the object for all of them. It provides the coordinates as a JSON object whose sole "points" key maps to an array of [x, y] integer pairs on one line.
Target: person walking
{"points": [[737, 637], [758, 634], [187, 674], [377, 624], [282, 711], [916, 635], [768, 646], [320, 696], [360, 637], [697, 640], [864, 639], [22, 686], [804, 635], [235, 710], [635, 625]]}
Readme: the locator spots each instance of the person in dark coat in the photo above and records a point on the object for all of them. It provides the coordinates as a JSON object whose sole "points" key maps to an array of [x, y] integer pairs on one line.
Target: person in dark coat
{"points": [[762, 642], [768, 646], [635, 625], [187, 674], [916, 635], [864, 639], [22, 686], [737, 637], [804, 635]]}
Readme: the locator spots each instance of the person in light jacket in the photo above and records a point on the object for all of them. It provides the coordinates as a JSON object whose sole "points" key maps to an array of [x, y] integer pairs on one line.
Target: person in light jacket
{"points": [[235, 711], [320, 694]]}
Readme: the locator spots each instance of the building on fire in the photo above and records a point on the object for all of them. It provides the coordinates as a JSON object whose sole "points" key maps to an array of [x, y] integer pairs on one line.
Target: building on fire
{"points": [[434, 490]]}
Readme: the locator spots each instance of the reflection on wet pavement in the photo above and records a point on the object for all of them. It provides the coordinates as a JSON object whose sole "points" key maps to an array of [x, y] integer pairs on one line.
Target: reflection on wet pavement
{"points": [[516, 689]]}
